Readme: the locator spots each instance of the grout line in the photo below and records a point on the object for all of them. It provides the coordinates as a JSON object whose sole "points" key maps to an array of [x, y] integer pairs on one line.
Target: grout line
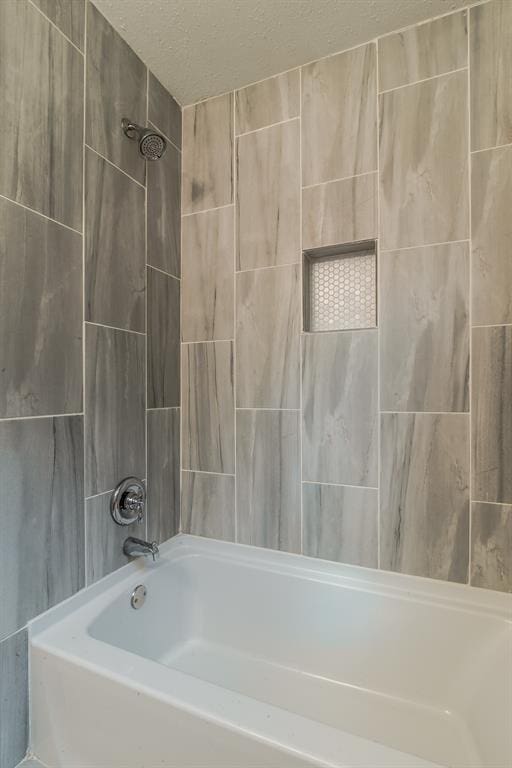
{"points": [[435, 18], [180, 361], [97, 495], [470, 304], [205, 210], [490, 149], [318, 334], [374, 40], [426, 413], [205, 472], [290, 410], [424, 245], [24, 628], [494, 325], [208, 341], [270, 266], [157, 269], [493, 503], [91, 149], [114, 328], [43, 416], [84, 357], [155, 126], [164, 408], [341, 178], [63, 34], [266, 127], [341, 485], [43, 215], [234, 157], [146, 345], [301, 320], [269, 77], [378, 309], [423, 80]]}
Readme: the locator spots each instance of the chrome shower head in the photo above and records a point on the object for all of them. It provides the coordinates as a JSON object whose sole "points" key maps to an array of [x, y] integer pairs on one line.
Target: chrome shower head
{"points": [[152, 144]]}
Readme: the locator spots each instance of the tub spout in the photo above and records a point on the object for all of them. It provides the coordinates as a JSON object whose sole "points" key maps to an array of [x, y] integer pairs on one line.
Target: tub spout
{"points": [[133, 547]]}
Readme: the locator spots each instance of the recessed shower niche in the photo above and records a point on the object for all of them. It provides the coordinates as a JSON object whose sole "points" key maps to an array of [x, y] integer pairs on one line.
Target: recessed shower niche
{"points": [[340, 287]]}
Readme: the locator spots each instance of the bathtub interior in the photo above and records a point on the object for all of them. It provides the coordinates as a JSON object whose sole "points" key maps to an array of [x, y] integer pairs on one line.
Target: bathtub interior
{"points": [[412, 674]]}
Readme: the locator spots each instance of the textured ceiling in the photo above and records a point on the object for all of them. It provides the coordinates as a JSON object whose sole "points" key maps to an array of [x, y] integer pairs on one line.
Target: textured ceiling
{"points": [[201, 48]]}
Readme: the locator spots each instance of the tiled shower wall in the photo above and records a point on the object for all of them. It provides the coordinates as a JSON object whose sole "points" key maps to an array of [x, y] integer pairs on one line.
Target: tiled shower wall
{"points": [[89, 290], [388, 447]]}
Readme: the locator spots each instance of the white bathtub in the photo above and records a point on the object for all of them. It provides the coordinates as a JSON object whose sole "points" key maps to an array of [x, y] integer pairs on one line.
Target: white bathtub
{"points": [[246, 657]]}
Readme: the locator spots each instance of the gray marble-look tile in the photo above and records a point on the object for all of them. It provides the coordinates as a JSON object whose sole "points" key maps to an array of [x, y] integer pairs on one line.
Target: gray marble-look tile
{"points": [[114, 246], [163, 508], [13, 699], [104, 539], [268, 306], [340, 212], [163, 362], [164, 212], [339, 398], [207, 279], [41, 516], [41, 85], [164, 111], [340, 523], [115, 444], [116, 85], [269, 101], [491, 232], [424, 327], [208, 154], [268, 479], [423, 51], [68, 16], [268, 196], [491, 546], [208, 505], [339, 116], [491, 409], [208, 408], [41, 300], [424, 195], [491, 74], [424, 518]]}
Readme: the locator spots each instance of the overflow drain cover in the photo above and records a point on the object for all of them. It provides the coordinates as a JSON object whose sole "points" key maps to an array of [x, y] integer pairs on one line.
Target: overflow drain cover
{"points": [[138, 596]]}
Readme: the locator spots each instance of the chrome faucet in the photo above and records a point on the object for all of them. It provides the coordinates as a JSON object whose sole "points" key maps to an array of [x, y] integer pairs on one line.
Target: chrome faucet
{"points": [[133, 547]]}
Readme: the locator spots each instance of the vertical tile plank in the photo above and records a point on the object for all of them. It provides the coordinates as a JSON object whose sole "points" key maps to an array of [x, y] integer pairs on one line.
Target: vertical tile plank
{"points": [[268, 479]]}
